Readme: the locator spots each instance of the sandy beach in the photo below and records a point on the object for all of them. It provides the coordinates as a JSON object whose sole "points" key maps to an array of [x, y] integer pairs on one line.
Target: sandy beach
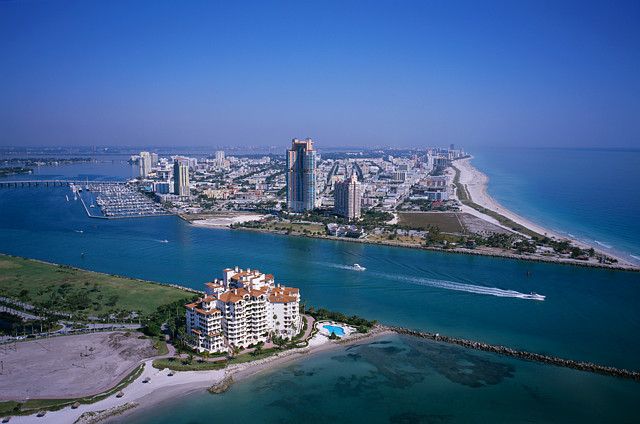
{"points": [[162, 387], [226, 220], [476, 183]]}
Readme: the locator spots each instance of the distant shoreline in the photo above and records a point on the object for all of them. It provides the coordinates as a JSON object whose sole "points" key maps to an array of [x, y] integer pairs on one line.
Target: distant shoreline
{"points": [[475, 182]]}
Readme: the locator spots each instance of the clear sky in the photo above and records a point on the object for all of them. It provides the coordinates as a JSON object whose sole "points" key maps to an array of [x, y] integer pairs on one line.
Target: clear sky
{"points": [[347, 73]]}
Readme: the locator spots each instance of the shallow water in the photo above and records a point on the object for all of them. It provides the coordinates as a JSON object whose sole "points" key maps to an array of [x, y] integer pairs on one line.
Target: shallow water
{"points": [[405, 380]]}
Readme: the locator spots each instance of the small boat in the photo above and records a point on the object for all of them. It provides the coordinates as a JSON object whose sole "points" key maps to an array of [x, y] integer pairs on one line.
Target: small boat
{"points": [[164, 241], [67, 196], [358, 267], [92, 206]]}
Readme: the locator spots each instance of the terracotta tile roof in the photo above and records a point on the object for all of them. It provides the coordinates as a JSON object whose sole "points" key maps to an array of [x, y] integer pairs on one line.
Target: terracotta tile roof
{"points": [[233, 296], [281, 298], [191, 305]]}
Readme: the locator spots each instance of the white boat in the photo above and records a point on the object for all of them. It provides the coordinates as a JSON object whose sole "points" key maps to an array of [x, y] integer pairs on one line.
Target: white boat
{"points": [[66, 197], [358, 267]]}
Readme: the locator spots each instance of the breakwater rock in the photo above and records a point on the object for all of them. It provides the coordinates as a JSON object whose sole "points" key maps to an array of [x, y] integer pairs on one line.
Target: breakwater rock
{"points": [[521, 354], [222, 386]]}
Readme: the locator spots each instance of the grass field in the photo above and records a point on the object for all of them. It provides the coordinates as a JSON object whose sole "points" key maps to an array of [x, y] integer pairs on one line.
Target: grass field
{"points": [[448, 222], [62, 288]]}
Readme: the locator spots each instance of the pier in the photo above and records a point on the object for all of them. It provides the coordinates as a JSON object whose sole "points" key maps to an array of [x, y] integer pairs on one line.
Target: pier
{"points": [[521, 354], [50, 183]]}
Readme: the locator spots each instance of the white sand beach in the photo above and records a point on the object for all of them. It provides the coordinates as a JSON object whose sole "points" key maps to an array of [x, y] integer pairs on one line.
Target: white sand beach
{"points": [[476, 183], [162, 387], [227, 220]]}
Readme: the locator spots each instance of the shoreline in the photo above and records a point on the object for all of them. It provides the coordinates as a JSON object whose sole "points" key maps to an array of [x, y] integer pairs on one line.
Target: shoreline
{"points": [[247, 370], [142, 396], [458, 250], [476, 183]]}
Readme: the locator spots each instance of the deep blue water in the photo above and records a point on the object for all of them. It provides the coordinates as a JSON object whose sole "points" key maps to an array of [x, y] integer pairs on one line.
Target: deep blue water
{"points": [[588, 314], [593, 195]]}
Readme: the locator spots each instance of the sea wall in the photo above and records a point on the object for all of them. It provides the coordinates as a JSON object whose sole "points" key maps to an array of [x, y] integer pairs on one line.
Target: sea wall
{"points": [[521, 354]]}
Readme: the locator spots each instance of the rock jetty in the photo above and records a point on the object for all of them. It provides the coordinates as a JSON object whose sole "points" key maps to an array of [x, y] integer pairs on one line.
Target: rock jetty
{"points": [[521, 354]]}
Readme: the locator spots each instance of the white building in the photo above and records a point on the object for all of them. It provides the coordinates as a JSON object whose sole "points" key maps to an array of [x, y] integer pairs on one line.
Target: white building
{"points": [[348, 198], [242, 309], [145, 164]]}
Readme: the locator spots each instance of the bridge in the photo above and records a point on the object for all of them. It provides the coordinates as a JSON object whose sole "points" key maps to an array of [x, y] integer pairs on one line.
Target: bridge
{"points": [[51, 183]]}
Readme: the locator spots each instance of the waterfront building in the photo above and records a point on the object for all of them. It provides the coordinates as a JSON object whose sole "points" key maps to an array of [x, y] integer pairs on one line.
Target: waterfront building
{"points": [[145, 164], [348, 198], [181, 177], [243, 308], [161, 187], [301, 176]]}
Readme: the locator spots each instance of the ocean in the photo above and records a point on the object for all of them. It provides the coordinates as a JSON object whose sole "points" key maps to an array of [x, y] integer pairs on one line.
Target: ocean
{"points": [[589, 194], [588, 314]]}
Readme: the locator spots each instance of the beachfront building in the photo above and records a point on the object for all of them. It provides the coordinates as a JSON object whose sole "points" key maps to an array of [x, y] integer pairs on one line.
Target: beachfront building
{"points": [[348, 198], [241, 309], [181, 177], [301, 176]]}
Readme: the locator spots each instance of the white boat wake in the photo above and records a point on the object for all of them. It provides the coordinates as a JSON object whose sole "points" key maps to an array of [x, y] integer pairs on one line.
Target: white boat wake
{"points": [[470, 288], [449, 285]]}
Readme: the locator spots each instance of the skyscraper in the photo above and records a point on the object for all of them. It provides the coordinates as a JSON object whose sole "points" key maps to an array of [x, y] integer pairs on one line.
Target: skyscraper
{"points": [[181, 177], [301, 176], [145, 163], [348, 197]]}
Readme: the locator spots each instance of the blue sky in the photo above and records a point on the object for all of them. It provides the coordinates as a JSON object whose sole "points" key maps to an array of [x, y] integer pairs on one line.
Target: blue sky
{"points": [[347, 73]]}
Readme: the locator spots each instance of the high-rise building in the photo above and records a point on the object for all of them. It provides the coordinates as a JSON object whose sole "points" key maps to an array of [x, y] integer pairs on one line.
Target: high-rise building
{"points": [[301, 176], [145, 163], [348, 197], [244, 308], [181, 177], [154, 159]]}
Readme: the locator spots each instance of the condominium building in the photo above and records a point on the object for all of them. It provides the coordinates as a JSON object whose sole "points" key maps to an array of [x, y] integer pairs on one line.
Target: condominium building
{"points": [[144, 163], [301, 176], [181, 177], [348, 198], [241, 309]]}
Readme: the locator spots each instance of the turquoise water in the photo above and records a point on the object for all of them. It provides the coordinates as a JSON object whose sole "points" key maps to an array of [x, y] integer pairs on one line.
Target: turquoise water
{"points": [[588, 314], [339, 331], [593, 195], [405, 380]]}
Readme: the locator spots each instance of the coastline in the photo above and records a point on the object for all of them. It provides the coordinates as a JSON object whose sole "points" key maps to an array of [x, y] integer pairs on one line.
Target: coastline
{"points": [[495, 253], [140, 396], [475, 182]]}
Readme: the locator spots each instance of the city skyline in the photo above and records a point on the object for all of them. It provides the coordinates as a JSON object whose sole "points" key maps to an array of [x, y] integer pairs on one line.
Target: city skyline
{"points": [[381, 73]]}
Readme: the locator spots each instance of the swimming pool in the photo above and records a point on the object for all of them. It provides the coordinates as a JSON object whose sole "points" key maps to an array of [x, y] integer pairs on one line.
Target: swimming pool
{"points": [[334, 329]]}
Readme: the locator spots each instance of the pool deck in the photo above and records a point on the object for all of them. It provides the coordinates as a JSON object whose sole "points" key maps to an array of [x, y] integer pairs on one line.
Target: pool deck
{"points": [[348, 330]]}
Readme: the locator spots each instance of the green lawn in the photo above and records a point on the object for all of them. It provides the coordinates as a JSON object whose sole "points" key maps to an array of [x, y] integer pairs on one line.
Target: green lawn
{"points": [[448, 222], [175, 364], [62, 288]]}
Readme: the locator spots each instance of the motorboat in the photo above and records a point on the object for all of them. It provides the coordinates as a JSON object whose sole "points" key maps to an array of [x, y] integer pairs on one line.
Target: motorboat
{"points": [[358, 267]]}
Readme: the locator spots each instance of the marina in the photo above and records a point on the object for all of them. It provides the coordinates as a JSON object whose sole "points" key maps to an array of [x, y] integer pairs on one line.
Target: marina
{"points": [[115, 200]]}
